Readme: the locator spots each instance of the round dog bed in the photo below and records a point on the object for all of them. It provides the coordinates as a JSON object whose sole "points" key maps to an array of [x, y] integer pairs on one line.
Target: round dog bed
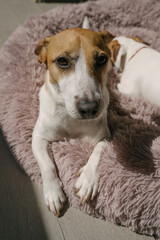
{"points": [[129, 171]]}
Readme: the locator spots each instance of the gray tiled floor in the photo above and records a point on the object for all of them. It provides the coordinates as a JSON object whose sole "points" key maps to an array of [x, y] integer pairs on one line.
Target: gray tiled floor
{"points": [[23, 215]]}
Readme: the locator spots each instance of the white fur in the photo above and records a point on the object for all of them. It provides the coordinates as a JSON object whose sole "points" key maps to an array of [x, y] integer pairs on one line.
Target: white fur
{"points": [[59, 119], [141, 74]]}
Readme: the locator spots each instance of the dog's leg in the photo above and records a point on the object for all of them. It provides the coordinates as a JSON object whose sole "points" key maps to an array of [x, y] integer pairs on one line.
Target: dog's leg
{"points": [[53, 194], [87, 184]]}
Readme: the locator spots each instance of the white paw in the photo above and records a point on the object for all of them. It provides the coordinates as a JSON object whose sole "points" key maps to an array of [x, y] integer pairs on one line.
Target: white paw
{"points": [[87, 184], [54, 196]]}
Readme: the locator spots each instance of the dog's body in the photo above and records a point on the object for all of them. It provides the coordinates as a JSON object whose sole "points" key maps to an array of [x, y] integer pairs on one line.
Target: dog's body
{"points": [[140, 66], [73, 104]]}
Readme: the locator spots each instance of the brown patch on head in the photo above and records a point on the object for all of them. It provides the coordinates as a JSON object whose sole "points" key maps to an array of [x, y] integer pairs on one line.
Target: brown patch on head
{"points": [[67, 44], [107, 36], [94, 46], [64, 44], [138, 39], [114, 47], [48, 49]]}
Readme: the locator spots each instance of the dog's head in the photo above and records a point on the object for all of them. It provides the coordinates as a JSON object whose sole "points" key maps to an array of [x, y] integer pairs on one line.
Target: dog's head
{"points": [[119, 48], [78, 61]]}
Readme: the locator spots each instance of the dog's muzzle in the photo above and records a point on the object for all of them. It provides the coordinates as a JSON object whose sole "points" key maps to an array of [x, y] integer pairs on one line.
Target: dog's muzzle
{"points": [[88, 109]]}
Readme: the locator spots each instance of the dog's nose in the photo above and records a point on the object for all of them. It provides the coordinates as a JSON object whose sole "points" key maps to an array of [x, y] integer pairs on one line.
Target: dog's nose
{"points": [[87, 109]]}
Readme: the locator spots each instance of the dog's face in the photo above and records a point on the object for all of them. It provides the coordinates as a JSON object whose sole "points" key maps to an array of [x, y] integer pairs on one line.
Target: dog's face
{"points": [[78, 61]]}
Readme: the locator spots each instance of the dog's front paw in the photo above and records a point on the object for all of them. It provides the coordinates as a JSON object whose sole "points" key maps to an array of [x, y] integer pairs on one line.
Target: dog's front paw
{"points": [[87, 184], [54, 196]]}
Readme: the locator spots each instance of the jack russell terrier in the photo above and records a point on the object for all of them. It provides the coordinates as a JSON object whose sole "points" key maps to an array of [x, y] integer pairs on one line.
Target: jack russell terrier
{"points": [[73, 104], [140, 66]]}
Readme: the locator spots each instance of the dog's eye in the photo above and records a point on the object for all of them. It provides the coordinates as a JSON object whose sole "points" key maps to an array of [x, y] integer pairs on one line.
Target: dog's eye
{"points": [[62, 62], [102, 59]]}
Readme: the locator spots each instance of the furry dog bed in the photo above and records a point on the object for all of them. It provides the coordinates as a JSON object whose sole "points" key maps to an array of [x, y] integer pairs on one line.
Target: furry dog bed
{"points": [[129, 182]]}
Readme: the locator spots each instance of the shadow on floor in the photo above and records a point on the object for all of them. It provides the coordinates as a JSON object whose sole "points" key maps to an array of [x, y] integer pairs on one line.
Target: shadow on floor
{"points": [[20, 217]]}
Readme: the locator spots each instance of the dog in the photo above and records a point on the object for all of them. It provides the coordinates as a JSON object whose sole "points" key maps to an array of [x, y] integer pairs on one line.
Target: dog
{"points": [[140, 67], [73, 105]]}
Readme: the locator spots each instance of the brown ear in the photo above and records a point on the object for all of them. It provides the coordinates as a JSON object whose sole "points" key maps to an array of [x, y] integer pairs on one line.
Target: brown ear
{"points": [[138, 39], [41, 49], [114, 47], [107, 36]]}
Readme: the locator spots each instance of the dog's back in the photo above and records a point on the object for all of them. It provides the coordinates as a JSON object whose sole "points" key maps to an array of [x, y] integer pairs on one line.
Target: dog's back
{"points": [[141, 73]]}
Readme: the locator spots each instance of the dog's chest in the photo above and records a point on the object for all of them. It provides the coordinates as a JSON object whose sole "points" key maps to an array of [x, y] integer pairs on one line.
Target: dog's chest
{"points": [[69, 128], [59, 126]]}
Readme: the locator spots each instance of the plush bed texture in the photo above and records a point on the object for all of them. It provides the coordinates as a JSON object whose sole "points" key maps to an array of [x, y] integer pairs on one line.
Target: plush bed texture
{"points": [[129, 170]]}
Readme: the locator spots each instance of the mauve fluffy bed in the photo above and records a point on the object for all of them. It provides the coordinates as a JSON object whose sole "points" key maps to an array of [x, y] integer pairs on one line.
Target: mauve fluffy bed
{"points": [[129, 171]]}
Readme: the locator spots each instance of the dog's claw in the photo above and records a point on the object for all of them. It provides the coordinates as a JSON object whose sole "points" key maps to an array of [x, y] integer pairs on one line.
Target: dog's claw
{"points": [[82, 201], [79, 172], [92, 198], [57, 213], [76, 190]]}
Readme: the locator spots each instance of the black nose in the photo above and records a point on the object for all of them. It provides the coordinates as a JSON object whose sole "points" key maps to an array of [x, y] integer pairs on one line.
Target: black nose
{"points": [[87, 109]]}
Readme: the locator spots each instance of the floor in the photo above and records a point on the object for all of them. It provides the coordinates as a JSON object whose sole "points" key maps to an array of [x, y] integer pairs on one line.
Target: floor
{"points": [[23, 215]]}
